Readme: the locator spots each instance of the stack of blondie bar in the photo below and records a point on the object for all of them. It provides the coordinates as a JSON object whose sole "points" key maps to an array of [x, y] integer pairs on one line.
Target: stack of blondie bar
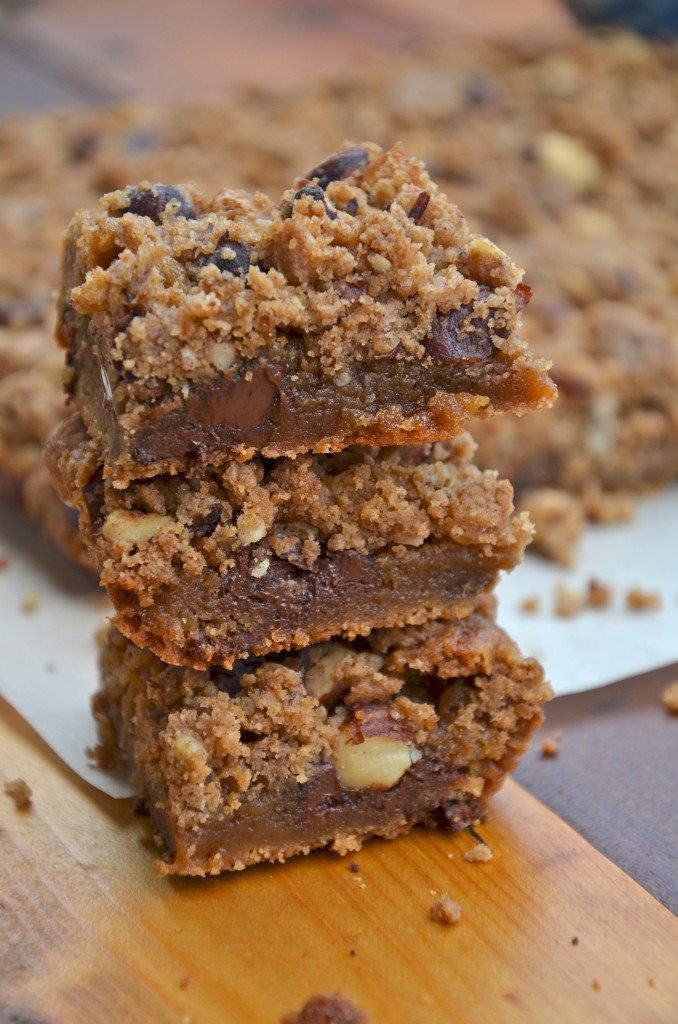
{"points": [[268, 463]]}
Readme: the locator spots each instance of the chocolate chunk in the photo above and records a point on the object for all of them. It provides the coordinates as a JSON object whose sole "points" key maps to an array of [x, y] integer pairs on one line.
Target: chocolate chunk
{"points": [[152, 202], [93, 492], [351, 207], [209, 524], [229, 257], [448, 343], [419, 208], [84, 146], [225, 680], [339, 165]]}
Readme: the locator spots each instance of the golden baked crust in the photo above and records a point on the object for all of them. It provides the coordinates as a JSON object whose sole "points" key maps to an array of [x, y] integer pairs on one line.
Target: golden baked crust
{"points": [[243, 766]]}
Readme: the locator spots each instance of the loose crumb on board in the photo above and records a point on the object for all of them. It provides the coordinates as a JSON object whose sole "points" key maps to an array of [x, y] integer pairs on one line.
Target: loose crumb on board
{"points": [[670, 698], [639, 600], [320, 1009], [479, 854], [185, 982], [30, 602], [531, 604], [595, 985], [575, 940], [20, 793], [444, 910]]}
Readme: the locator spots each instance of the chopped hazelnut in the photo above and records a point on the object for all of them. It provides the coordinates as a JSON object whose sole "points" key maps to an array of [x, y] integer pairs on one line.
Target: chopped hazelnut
{"points": [[378, 762]]}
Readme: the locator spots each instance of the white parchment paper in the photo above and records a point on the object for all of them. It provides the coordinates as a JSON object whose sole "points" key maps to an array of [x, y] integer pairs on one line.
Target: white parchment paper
{"points": [[48, 656]]}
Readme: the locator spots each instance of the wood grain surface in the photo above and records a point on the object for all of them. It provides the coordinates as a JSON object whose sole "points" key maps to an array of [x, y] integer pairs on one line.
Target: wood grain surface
{"points": [[89, 934]]}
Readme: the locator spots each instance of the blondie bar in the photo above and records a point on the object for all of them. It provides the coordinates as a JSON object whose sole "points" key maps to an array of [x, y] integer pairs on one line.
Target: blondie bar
{"points": [[325, 747], [276, 553], [358, 310]]}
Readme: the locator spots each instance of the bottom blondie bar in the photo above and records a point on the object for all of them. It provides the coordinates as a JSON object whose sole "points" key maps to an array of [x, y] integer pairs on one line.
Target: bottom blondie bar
{"points": [[324, 747]]}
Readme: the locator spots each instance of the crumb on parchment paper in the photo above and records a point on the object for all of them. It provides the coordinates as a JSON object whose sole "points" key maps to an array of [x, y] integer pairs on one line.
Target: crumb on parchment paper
{"points": [[639, 600], [20, 793], [30, 602], [598, 595]]}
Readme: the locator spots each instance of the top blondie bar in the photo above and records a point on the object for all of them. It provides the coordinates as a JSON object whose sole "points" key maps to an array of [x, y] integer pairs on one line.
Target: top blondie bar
{"points": [[360, 309]]}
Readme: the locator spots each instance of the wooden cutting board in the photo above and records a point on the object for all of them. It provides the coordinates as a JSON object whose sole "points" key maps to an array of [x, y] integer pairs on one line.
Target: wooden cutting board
{"points": [[88, 932]]}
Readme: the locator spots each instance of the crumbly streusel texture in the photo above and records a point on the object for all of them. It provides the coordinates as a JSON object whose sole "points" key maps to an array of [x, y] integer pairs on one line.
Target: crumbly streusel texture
{"points": [[269, 554], [560, 154], [357, 309], [258, 763]]}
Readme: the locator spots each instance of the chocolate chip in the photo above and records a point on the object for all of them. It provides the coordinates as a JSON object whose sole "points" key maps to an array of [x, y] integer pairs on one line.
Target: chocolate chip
{"points": [[140, 807], [224, 680], [448, 343], [84, 146], [209, 524], [339, 165], [351, 207], [153, 201], [481, 88], [317, 193], [248, 736], [229, 257], [419, 208], [93, 492]]}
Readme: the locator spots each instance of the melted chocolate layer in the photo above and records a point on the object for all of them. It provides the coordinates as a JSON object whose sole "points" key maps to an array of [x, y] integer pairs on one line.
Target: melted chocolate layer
{"points": [[312, 815], [290, 608]]}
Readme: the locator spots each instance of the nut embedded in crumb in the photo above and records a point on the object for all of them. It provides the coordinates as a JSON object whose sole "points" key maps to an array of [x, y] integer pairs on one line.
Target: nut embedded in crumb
{"points": [[20, 793], [670, 698], [639, 600], [549, 747], [444, 910], [479, 854], [30, 602], [531, 605], [568, 602], [319, 1009], [598, 595]]}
